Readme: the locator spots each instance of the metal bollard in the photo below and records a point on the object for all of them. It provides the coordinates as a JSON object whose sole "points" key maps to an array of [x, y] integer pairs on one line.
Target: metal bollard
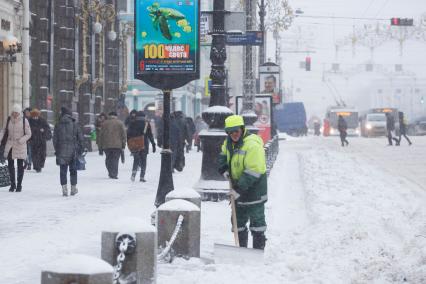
{"points": [[139, 261], [187, 242], [76, 268], [187, 194]]}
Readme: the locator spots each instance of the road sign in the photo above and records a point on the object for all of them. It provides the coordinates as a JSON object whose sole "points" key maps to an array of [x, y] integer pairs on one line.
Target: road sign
{"points": [[249, 38]]}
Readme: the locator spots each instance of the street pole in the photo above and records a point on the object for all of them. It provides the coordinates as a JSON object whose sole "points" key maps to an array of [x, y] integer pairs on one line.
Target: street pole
{"points": [[249, 85], [165, 184], [217, 112], [262, 47]]}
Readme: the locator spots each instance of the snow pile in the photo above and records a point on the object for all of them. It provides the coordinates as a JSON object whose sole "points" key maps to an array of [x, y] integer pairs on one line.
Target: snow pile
{"points": [[130, 225], [178, 205], [218, 109], [183, 193], [79, 264], [367, 225]]}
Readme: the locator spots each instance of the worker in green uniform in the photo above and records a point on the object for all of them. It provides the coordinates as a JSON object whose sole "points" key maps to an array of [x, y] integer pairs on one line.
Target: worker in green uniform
{"points": [[242, 161]]}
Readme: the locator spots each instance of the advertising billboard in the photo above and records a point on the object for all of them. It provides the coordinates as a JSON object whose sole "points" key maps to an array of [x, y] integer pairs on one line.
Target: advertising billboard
{"points": [[263, 110], [167, 42]]}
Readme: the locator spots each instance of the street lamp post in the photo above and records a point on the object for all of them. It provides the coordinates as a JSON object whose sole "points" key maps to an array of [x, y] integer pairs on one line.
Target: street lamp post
{"points": [[217, 112]]}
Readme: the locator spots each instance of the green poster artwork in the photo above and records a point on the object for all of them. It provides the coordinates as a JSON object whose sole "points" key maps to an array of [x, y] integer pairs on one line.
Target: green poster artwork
{"points": [[166, 36]]}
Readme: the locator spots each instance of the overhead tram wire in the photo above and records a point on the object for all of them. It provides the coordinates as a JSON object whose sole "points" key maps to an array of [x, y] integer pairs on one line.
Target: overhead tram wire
{"points": [[381, 8], [341, 17], [368, 8]]}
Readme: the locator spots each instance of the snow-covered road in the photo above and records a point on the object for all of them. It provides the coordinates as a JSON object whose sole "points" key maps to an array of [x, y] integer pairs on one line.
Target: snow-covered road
{"points": [[335, 215]]}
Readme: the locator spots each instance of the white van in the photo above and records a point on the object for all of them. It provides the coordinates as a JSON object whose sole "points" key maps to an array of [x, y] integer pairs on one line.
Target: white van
{"points": [[375, 124]]}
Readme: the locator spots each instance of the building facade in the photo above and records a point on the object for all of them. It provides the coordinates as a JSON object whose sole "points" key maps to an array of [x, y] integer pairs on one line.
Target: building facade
{"points": [[10, 65], [74, 58]]}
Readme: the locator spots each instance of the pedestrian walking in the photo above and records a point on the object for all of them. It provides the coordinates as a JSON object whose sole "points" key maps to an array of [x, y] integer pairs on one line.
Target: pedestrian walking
{"points": [[68, 144], [28, 161], [390, 127], [15, 136], [402, 129], [342, 126], [130, 117], [112, 142], [98, 124], [242, 161], [190, 131], [199, 125], [41, 133], [182, 140], [140, 130]]}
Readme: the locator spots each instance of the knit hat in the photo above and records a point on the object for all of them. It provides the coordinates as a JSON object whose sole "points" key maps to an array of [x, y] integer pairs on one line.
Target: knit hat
{"points": [[17, 108]]}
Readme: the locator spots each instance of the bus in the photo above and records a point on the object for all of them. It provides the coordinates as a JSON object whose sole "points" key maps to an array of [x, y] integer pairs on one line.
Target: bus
{"points": [[332, 116]]}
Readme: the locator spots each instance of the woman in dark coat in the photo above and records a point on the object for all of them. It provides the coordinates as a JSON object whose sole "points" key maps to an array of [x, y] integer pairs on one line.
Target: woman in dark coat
{"points": [[342, 126], [137, 127], [68, 143], [41, 132], [402, 129]]}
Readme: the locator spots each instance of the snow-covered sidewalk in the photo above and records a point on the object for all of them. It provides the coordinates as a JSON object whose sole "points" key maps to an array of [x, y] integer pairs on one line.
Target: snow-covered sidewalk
{"points": [[334, 216]]}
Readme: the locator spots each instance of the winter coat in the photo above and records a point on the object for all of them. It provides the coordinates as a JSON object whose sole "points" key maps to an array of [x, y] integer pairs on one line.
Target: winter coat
{"points": [[245, 161], [190, 127], [139, 126], [402, 126], [390, 123], [67, 140], [41, 132], [342, 126], [17, 139], [113, 134]]}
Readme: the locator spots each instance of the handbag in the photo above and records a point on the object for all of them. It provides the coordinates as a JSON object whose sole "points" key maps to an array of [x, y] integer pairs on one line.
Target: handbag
{"points": [[4, 139], [136, 144], [80, 162], [4, 176]]}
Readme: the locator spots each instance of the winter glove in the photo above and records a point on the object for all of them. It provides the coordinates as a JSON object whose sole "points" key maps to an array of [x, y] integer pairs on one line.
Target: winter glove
{"points": [[226, 175], [233, 193], [153, 148]]}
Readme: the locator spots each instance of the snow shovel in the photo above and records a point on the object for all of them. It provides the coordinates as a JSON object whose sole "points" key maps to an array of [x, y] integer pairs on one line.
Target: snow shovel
{"points": [[227, 254]]}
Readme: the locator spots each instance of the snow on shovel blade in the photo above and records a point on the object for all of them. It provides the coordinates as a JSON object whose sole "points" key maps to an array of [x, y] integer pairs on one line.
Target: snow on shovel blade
{"points": [[226, 254]]}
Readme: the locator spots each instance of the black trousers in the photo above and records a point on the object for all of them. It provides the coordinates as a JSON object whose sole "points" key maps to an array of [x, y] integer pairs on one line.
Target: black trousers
{"points": [[111, 161], [343, 135], [73, 173], [11, 167], [406, 138], [391, 138], [139, 160]]}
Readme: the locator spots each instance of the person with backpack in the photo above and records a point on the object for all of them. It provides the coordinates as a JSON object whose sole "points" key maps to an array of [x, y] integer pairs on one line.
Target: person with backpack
{"points": [[41, 133], [68, 144], [14, 138]]}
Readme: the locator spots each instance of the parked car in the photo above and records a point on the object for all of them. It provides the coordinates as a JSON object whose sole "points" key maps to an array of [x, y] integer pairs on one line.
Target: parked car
{"points": [[417, 127]]}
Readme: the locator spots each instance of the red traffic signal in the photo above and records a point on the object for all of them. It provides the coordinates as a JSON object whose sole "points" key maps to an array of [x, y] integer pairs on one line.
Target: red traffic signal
{"points": [[401, 22], [308, 63]]}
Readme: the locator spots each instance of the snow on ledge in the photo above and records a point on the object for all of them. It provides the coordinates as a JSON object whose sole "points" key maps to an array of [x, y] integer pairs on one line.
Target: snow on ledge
{"points": [[218, 109], [130, 225], [184, 193], [79, 264], [178, 205]]}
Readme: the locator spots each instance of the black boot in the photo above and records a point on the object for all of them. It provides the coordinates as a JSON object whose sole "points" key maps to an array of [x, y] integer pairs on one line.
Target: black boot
{"points": [[20, 178], [12, 180], [243, 238], [259, 240]]}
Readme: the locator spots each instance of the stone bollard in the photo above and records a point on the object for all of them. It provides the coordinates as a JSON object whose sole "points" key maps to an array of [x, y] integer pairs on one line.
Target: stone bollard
{"points": [[188, 240], [142, 263], [186, 194], [76, 268]]}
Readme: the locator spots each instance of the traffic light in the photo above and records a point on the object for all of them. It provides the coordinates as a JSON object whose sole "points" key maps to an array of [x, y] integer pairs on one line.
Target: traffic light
{"points": [[401, 22], [308, 63]]}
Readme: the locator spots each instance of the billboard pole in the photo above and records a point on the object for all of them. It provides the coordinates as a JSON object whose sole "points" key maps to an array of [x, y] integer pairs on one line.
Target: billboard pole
{"points": [[165, 184]]}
